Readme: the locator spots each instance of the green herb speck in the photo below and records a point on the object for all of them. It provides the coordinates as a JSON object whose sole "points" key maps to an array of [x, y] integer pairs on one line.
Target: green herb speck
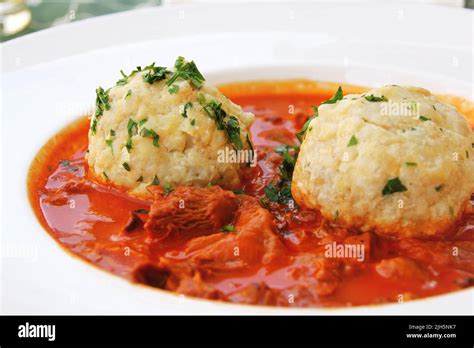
{"points": [[126, 166], [353, 141], [228, 228], [392, 186], [372, 98]]}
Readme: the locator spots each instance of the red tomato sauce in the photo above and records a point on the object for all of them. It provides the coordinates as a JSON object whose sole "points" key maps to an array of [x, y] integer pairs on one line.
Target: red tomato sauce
{"points": [[88, 219]]}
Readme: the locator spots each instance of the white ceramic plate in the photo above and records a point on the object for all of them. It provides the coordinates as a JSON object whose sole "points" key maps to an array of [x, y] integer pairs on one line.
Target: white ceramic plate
{"points": [[49, 78]]}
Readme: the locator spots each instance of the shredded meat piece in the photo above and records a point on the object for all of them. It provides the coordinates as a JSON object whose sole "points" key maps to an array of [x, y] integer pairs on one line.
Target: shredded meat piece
{"points": [[188, 212], [253, 242]]}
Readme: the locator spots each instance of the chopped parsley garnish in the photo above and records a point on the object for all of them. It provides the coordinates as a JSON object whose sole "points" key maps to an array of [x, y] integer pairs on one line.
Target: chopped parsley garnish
{"points": [[94, 125], [300, 135], [335, 98], [132, 127], [201, 99], [239, 192], [231, 126], [193, 122], [264, 202], [167, 187], [142, 122], [233, 132], [438, 188], [272, 193], [289, 154], [228, 228], [110, 140], [186, 71], [353, 141], [155, 73], [173, 89], [126, 166], [102, 101], [279, 193], [109, 143], [424, 118], [105, 175], [141, 211], [372, 98], [128, 144], [392, 186], [214, 110], [140, 179], [186, 106], [123, 80], [411, 164], [155, 181], [129, 93], [101, 104], [150, 133]]}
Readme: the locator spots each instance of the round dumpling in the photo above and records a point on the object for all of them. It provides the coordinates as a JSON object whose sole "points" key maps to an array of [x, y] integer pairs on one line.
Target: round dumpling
{"points": [[167, 127], [395, 160]]}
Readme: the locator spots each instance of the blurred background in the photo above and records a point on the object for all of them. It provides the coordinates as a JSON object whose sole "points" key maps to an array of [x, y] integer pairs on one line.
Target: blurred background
{"points": [[20, 17]]}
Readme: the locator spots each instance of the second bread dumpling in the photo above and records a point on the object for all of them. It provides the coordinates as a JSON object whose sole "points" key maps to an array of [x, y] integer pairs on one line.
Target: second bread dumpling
{"points": [[395, 160]]}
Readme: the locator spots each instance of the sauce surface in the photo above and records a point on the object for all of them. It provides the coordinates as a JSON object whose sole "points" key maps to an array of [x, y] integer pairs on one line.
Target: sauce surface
{"points": [[88, 219]]}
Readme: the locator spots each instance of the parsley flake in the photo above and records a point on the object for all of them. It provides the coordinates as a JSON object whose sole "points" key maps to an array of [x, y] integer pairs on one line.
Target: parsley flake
{"points": [[173, 89], [335, 98], [150, 133], [155, 181], [353, 141], [228, 228], [392, 186], [372, 98], [126, 166], [155, 73], [186, 106], [186, 71]]}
